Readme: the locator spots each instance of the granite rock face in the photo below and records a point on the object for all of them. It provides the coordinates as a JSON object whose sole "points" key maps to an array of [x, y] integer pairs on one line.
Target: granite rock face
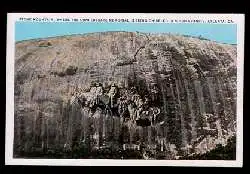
{"points": [[191, 82]]}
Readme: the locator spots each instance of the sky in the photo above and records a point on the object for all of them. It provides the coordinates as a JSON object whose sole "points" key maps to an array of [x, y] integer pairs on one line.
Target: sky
{"points": [[224, 33]]}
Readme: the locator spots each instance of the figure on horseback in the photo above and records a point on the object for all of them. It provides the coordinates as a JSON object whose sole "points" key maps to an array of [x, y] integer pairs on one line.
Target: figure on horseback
{"points": [[91, 98], [112, 94], [99, 92], [123, 108]]}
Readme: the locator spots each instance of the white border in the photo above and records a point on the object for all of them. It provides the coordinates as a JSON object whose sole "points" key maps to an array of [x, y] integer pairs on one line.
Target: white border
{"points": [[238, 19]]}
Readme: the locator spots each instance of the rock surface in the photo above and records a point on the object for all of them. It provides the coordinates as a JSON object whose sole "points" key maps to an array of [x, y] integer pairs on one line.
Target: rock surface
{"points": [[195, 79]]}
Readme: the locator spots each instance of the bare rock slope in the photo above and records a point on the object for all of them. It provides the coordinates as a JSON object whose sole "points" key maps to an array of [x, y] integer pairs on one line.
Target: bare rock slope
{"points": [[191, 81]]}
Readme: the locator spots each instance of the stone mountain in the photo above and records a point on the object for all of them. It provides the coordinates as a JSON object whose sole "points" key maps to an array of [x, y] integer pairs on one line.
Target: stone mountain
{"points": [[195, 80]]}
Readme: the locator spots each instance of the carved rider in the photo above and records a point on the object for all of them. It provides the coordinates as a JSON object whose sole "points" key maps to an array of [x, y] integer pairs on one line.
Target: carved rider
{"points": [[154, 92], [112, 93], [122, 107], [132, 110], [99, 92], [99, 89], [92, 96], [146, 102], [139, 108], [136, 99]]}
